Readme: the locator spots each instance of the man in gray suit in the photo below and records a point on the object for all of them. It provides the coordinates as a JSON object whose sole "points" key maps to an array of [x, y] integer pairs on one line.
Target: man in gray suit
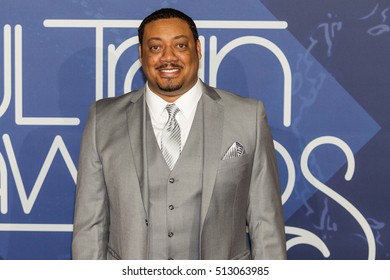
{"points": [[177, 169]]}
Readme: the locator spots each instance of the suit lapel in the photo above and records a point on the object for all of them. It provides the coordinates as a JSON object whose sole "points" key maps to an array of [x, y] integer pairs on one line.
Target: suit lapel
{"points": [[136, 128], [213, 128]]}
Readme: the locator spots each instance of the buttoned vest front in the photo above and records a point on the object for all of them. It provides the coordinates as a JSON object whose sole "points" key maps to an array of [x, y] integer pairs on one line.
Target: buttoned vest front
{"points": [[175, 196]]}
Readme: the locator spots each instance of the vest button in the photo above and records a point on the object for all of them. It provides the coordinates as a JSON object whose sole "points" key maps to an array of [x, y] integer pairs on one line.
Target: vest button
{"points": [[171, 207], [171, 180], [146, 222], [170, 234]]}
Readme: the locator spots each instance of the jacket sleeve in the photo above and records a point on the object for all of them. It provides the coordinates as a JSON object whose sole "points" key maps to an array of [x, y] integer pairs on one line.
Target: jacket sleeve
{"points": [[265, 213], [91, 216]]}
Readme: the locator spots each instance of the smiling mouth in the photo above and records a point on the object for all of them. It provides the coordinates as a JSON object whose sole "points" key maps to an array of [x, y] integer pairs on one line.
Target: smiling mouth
{"points": [[169, 70]]}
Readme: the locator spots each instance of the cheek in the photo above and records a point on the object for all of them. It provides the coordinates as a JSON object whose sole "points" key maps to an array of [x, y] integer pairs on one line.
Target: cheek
{"points": [[194, 63], [150, 59], [148, 66]]}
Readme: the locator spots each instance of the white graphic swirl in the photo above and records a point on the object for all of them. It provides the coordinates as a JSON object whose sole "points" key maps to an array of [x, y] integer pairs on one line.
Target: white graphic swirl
{"points": [[331, 193]]}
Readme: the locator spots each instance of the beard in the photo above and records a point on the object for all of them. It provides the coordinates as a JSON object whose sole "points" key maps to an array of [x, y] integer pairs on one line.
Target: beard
{"points": [[170, 86]]}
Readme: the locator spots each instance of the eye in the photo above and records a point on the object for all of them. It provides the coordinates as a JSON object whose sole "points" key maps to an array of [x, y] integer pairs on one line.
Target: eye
{"points": [[154, 48], [181, 45]]}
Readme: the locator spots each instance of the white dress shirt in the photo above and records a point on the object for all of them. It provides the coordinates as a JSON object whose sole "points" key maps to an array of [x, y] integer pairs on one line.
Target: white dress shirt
{"points": [[187, 103]]}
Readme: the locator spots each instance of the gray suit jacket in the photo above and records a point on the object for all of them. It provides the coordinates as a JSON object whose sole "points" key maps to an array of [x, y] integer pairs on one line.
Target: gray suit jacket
{"points": [[239, 194]]}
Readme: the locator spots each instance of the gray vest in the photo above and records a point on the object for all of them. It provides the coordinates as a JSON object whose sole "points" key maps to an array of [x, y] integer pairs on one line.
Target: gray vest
{"points": [[175, 196]]}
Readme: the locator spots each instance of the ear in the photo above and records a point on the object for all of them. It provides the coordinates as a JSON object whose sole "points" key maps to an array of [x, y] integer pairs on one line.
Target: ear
{"points": [[199, 49], [140, 53]]}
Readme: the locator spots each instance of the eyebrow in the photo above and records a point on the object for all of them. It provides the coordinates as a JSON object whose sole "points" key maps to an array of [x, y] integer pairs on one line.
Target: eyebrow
{"points": [[175, 38]]}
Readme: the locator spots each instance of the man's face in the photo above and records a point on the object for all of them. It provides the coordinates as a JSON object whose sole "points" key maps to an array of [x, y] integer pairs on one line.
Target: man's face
{"points": [[169, 57]]}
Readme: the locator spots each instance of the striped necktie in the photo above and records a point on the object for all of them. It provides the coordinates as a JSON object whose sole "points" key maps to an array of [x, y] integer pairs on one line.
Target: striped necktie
{"points": [[171, 137]]}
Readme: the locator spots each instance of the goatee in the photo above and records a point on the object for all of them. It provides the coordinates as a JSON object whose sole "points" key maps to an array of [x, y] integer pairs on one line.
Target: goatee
{"points": [[170, 87]]}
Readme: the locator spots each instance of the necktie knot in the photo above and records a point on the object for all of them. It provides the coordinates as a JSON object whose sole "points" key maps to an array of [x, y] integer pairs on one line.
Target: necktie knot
{"points": [[172, 110]]}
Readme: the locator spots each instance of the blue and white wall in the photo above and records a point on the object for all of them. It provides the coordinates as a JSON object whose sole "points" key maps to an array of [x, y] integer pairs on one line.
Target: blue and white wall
{"points": [[321, 68]]}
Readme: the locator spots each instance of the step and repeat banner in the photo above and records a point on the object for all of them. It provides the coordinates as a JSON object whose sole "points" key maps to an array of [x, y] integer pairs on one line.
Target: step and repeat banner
{"points": [[320, 67]]}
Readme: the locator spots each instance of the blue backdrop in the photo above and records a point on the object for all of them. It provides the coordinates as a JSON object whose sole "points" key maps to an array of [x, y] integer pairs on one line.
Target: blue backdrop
{"points": [[321, 68]]}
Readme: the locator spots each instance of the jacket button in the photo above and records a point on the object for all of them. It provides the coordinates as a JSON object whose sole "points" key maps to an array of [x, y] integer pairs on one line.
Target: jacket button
{"points": [[170, 234], [171, 207], [146, 222], [171, 259], [171, 180]]}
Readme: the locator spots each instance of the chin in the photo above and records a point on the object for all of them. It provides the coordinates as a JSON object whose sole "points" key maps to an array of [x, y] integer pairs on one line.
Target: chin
{"points": [[170, 87]]}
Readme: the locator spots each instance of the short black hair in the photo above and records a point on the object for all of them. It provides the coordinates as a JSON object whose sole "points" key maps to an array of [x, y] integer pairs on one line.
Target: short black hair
{"points": [[167, 13]]}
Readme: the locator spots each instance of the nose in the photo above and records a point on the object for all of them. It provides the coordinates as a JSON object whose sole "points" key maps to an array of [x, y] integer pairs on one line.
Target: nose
{"points": [[168, 55]]}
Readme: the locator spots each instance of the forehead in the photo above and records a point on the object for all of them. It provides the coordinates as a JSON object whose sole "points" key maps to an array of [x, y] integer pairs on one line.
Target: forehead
{"points": [[164, 28]]}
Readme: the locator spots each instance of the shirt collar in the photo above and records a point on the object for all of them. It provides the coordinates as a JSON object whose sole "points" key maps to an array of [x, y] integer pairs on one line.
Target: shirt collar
{"points": [[186, 103]]}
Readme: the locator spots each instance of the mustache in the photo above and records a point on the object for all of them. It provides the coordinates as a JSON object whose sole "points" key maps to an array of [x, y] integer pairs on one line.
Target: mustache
{"points": [[167, 65]]}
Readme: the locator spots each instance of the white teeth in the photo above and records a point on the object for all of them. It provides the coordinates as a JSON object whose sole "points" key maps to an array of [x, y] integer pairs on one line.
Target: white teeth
{"points": [[169, 70]]}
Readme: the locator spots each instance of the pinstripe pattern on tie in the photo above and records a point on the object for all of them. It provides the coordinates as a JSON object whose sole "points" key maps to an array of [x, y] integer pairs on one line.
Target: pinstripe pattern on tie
{"points": [[171, 137]]}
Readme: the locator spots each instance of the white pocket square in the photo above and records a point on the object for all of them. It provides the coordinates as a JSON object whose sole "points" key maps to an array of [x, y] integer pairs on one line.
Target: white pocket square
{"points": [[235, 150]]}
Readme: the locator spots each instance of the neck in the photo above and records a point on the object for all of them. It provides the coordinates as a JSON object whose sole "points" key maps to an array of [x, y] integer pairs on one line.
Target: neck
{"points": [[169, 99]]}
